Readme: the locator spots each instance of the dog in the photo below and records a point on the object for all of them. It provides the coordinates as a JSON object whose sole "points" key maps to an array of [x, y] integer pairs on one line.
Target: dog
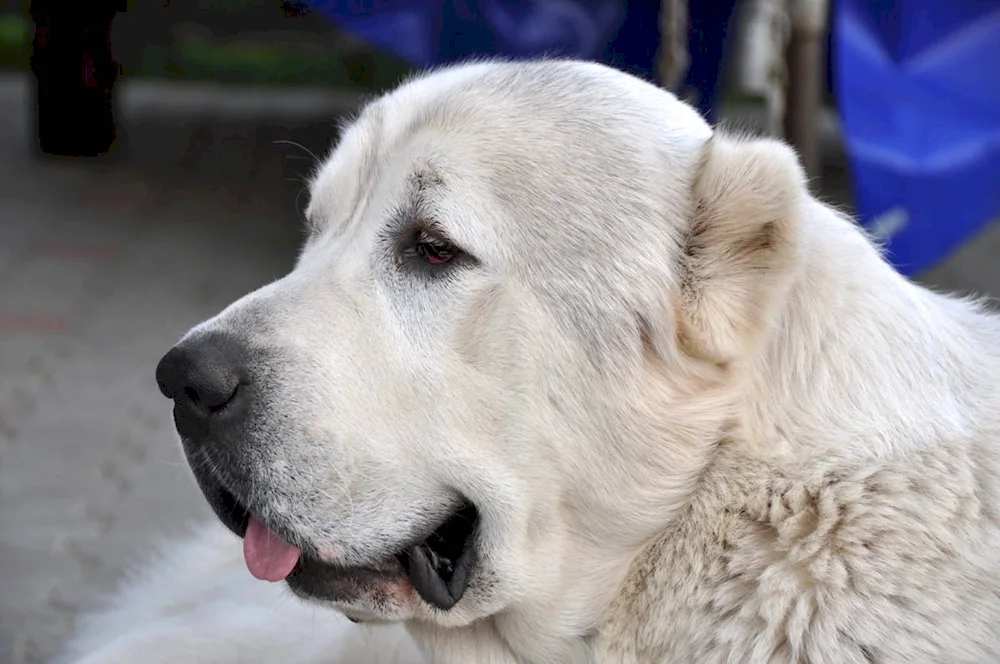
{"points": [[564, 374]]}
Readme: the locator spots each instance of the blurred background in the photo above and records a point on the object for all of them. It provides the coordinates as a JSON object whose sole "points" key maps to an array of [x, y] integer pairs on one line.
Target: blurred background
{"points": [[153, 157]]}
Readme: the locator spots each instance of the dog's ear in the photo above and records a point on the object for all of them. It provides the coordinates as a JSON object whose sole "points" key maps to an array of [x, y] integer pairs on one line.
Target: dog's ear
{"points": [[742, 247]]}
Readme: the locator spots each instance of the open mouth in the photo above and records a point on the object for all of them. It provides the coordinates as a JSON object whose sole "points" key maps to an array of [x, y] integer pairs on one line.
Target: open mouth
{"points": [[437, 566]]}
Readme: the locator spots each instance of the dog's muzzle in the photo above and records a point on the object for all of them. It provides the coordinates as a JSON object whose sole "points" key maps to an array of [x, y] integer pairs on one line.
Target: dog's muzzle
{"points": [[209, 378]]}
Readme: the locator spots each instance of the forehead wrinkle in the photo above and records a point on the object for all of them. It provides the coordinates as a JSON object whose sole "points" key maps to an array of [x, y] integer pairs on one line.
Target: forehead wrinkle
{"points": [[423, 178], [416, 207]]}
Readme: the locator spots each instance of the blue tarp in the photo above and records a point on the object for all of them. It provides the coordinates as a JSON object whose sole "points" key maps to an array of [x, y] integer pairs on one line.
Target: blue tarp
{"points": [[430, 32], [619, 33], [918, 86]]}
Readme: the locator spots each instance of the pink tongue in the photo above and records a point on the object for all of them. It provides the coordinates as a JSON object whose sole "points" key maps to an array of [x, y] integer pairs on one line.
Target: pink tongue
{"points": [[269, 558]]}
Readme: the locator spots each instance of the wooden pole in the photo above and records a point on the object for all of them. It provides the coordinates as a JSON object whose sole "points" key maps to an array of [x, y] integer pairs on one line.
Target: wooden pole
{"points": [[806, 70]]}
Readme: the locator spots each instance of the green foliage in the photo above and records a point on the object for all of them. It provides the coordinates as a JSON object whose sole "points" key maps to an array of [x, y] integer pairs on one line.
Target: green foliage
{"points": [[260, 62], [327, 63], [15, 40]]}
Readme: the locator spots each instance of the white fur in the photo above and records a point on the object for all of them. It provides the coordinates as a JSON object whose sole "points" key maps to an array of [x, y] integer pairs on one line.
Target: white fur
{"points": [[198, 603], [701, 416]]}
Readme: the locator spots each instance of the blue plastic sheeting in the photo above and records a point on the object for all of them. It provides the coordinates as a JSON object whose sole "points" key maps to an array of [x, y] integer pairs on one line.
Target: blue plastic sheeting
{"points": [[431, 32], [918, 85], [622, 34]]}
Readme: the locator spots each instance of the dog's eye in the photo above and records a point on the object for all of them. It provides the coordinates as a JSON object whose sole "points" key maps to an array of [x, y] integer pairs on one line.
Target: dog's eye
{"points": [[434, 250]]}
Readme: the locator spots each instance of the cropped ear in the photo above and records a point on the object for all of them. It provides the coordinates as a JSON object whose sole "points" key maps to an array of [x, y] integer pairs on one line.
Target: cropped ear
{"points": [[743, 246]]}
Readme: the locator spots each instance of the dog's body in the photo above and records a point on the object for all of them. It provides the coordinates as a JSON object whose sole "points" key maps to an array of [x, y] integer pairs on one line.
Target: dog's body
{"points": [[699, 417]]}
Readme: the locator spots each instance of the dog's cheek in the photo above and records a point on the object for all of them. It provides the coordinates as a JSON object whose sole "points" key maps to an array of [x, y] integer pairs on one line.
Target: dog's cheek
{"points": [[475, 337]]}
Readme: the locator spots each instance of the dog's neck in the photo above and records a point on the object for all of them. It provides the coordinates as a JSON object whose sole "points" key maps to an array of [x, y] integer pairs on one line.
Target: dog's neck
{"points": [[822, 386], [558, 628]]}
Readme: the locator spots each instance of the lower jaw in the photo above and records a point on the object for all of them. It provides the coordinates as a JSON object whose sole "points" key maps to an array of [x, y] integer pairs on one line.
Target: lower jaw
{"points": [[315, 580], [387, 589]]}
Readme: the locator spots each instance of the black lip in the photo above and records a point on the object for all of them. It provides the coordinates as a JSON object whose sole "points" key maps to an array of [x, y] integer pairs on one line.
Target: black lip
{"points": [[233, 514], [439, 565], [314, 579], [231, 511]]}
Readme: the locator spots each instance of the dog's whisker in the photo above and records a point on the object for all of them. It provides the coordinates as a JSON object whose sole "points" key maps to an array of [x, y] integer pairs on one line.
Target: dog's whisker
{"points": [[309, 152]]}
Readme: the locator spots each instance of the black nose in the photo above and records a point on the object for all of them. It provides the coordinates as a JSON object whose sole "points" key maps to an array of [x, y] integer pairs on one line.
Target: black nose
{"points": [[203, 374]]}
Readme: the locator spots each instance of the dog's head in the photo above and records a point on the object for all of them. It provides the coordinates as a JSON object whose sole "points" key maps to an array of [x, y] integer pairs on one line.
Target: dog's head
{"points": [[506, 349]]}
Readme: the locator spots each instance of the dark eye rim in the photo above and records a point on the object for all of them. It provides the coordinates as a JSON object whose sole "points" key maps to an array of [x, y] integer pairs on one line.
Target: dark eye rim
{"points": [[433, 249], [421, 247]]}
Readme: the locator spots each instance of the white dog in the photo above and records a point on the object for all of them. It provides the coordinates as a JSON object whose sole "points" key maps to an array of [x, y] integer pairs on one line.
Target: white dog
{"points": [[561, 375]]}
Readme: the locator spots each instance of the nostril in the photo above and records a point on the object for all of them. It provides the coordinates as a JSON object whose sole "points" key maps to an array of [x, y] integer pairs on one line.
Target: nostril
{"points": [[231, 399], [212, 393], [202, 376], [219, 400]]}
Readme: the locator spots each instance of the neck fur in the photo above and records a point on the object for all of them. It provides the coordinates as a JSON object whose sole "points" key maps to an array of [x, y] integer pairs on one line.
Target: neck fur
{"points": [[823, 385]]}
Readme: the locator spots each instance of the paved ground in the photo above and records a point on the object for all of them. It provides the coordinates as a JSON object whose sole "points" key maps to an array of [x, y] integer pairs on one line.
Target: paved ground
{"points": [[102, 267]]}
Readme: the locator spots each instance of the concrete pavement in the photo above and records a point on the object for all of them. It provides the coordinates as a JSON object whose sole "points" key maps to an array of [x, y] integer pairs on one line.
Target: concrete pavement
{"points": [[102, 267]]}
